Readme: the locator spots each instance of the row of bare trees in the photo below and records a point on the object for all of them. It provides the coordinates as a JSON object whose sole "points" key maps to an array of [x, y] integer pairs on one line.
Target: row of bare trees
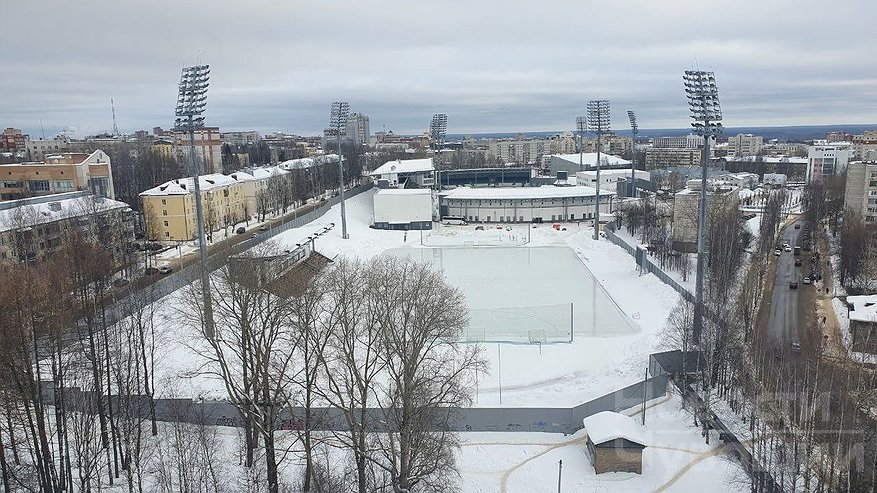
{"points": [[368, 339]]}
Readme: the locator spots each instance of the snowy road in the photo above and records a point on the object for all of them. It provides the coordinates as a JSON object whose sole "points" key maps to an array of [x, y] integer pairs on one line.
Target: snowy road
{"points": [[783, 321]]}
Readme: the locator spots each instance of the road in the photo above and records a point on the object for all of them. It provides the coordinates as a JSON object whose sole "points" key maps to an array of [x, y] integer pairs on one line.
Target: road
{"points": [[783, 320]]}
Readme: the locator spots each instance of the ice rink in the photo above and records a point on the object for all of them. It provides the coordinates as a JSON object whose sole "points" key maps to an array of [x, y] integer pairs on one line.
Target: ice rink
{"points": [[517, 294]]}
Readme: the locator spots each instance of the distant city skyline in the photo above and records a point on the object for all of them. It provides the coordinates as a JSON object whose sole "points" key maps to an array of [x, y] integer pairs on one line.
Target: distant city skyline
{"points": [[491, 66]]}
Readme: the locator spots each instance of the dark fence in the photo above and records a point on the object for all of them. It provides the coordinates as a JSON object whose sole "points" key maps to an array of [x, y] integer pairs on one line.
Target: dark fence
{"points": [[223, 413], [647, 265]]}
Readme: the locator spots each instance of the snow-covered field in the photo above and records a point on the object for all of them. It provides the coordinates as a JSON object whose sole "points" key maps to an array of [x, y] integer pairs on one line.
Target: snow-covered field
{"points": [[553, 375]]}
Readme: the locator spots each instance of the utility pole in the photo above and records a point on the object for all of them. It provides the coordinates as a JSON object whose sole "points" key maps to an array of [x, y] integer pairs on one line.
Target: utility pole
{"points": [[191, 102], [598, 122], [703, 101], [559, 472], [338, 121], [645, 385], [634, 129]]}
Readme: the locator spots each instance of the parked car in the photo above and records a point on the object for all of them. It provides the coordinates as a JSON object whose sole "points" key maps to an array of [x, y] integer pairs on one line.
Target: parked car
{"points": [[787, 248], [165, 269], [263, 228], [777, 252], [151, 271], [793, 284], [479, 228], [807, 280], [120, 282], [241, 230], [798, 262], [797, 226], [796, 347]]}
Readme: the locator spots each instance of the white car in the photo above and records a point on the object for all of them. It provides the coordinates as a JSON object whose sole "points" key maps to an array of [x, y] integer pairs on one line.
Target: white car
{"points": [[788, 248], [165, 269]]}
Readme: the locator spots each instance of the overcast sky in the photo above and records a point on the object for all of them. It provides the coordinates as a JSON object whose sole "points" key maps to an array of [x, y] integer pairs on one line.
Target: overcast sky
{"points": [[497, 65]]}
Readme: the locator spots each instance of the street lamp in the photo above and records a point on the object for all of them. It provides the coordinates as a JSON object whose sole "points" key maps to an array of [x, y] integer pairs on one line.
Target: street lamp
{"points": [[338, 122], [582, 126], [634, 128], [598, 122], [703, 101], [438, 128], [191, 102]]}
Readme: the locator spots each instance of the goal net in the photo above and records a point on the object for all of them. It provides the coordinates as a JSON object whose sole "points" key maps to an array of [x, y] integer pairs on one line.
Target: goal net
{"points": [[542, 324]]}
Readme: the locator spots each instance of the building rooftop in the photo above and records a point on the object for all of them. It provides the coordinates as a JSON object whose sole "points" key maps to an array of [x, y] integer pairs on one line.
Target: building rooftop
{"points": [[404, 191], [864, 308], [590, 159], [308, 162], [404, 166], [185, 186], [606, 426], [543, 192], [29, 212]]}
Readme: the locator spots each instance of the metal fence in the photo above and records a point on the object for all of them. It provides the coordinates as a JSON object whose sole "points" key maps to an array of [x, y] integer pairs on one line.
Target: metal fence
{"points": [[541, 419], [647, 265]]}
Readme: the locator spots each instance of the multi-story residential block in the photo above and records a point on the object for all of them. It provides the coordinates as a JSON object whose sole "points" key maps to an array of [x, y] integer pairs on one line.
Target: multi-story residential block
{"points": [[663, 157], [34, 227], [865, 146], [358, 129], [745, 144], [827, 160], [208, 148], [58, 174], [12, 140], [686, 210], [861, 190], [240, 138], [40, 148], [518, 151], [682, 142], [163, 148], [169, 209]]}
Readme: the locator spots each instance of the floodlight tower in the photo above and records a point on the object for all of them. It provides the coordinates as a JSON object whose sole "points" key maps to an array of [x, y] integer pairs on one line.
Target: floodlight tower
{"points": [[338, 122], [598, 122], [582, 126], [438, 128], [634, 128], [191, 101], [703, 101]]}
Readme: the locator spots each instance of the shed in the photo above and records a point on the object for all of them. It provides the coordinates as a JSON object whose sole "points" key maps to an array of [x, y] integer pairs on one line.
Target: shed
{"points": [[615, 442]]}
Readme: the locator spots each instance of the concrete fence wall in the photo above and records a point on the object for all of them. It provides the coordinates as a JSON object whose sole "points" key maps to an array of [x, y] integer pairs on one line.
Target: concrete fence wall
{"points": [[647, 265], [222, 413]]}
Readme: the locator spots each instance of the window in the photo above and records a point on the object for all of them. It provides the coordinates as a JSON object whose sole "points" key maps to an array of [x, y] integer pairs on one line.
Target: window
{"points": [[521, 219], [163, 201], [572, 217], [38, 185], [167, 234], [164, 212], [63, 186], [165, 224]]}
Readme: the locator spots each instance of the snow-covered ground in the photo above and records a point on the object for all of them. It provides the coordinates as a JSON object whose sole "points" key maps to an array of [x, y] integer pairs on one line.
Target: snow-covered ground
{"points": [[553, 375]]}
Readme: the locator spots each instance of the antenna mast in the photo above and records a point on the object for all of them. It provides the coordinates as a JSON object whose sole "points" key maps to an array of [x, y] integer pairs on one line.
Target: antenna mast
{"points": [[115, 127]]}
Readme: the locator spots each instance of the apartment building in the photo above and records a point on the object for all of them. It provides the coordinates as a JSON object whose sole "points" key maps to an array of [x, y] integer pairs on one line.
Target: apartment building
{"points": [[827, 160], [663, 157], [34, 227], [12, 140], [208, 148], [58, 174], [686, 210], [682, 142], [518, 151], [240, 138], [865, 146], [358, 129], [38, 149], [861, 190], [745, 144]]}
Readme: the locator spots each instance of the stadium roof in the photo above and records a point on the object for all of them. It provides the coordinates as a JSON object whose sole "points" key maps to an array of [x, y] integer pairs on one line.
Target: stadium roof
{"points": [[522, 193], [404, 166]]}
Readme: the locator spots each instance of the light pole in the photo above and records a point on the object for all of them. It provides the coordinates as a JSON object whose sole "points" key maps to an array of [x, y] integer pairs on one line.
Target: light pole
{"points": [[338, 122], [634, 130], [438, 128], [598, 122], [191, 101], [582, 126], [703, 101]]}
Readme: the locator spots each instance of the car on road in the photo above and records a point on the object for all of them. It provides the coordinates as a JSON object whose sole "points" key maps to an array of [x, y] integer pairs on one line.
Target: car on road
{"points": [[793, 284], [241, 230], [787, 248], [777, 252], [480, 228], [797, 226], [151, 271], [796, 347], [798, 262], [165, 269], [120, 282], [263, 228], [807, 280]]}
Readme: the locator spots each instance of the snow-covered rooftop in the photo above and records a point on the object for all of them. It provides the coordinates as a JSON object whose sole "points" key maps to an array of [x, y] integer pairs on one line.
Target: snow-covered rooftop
{"points": [[543, 192], [590, 159], [606, 426], [308, 162], [404, 166], [185, 186], [864, 308], [41, 210]]}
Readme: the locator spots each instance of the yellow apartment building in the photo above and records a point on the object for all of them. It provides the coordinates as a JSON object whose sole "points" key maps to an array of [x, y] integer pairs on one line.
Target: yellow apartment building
{"points": [[169, 209], [59, 173]]}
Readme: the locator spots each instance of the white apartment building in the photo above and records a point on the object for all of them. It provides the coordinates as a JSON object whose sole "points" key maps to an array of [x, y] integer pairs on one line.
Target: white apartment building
{"points": [[861, 190], [609, 178], [358, 129], [690, 141], [240, 138], [518, 151], [865, 146], [745, 144], [208, 148], [827, 160]]}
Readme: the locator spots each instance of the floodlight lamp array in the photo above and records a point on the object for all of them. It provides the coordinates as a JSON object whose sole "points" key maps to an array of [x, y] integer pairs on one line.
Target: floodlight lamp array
{"points": [[192, 97], [438, 127], [598, 116], [632, 117], [703, 102], [339, 115]]}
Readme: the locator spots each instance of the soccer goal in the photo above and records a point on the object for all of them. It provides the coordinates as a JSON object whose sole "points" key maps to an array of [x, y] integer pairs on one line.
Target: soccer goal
{"points": [[542, 324]]}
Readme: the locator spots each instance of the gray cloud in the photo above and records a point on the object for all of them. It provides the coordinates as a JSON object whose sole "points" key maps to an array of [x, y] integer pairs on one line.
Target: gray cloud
{"points": [[491, 65]]}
